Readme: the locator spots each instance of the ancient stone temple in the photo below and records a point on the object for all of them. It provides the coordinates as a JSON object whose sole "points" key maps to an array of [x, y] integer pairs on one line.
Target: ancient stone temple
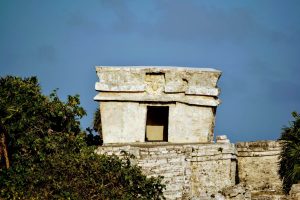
{"points": [[151, 104], [165, 117]]}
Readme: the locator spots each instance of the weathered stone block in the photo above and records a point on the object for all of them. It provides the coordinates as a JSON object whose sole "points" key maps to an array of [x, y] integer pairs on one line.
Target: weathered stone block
{"points": [[140, 104], [258, 167], [184, 177], [295, 192]]}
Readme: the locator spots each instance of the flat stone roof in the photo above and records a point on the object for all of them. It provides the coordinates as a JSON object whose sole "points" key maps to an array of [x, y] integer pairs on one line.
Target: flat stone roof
{"points": [[159, 68], [190, 85]]}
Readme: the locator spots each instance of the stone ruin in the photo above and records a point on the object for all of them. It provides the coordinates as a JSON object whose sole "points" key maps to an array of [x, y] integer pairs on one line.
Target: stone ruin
{"points": [[165, 117], [149, 104]]}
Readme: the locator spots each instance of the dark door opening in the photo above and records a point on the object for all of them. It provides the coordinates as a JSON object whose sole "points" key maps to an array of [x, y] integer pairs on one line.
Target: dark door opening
{"points": [[157, 123]]}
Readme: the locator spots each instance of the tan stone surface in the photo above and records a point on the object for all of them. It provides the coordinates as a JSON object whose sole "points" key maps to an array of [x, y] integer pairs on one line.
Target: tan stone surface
{"points": [[154, 132], [236, 192], [191, 171], [295, 192], [258, 166], [208, 171]]}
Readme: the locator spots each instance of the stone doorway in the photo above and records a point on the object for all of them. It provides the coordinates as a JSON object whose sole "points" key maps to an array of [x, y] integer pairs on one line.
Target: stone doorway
{"points": [[157, 123]]}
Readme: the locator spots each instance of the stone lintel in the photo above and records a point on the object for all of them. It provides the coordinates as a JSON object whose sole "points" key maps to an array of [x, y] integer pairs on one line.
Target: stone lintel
{"points": [[171, 98], [169, 89]]}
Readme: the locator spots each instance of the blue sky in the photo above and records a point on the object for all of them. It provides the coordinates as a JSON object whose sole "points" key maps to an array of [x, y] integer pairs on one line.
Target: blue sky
{"points": [[256, 44]]}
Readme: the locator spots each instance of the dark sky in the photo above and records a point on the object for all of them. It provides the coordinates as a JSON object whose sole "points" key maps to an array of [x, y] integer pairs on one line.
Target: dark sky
{"points": [[255, 43]]}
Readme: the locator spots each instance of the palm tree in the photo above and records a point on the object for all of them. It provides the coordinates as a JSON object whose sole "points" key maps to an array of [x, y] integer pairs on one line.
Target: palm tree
{"points": [[289, 164]]}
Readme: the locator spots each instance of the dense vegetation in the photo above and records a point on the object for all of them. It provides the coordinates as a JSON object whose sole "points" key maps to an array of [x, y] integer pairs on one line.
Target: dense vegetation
{"points": [[289, 166], [45, 155], [94, 136]]}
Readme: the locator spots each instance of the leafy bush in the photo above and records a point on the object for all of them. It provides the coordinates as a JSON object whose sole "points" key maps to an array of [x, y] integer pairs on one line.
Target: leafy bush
{"points": [[94, 136], [74, 171], [47, 156], [289, 165]]}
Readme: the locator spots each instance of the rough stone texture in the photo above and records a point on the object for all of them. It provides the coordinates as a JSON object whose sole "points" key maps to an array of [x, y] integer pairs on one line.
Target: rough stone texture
{"points": [[125, 93], [222, 139], [193, 81], [208, 171], [258, 167], [236, 192], [295, 192], [191, 171], [193, 167]]}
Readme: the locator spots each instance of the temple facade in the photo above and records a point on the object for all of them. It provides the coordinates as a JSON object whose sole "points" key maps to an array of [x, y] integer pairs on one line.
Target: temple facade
{"points": [[164, 117], [157, 104]]}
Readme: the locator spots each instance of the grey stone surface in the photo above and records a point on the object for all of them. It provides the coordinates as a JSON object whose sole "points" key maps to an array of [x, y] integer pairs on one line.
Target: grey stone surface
{"points": [[197, 81], [189, 93]]}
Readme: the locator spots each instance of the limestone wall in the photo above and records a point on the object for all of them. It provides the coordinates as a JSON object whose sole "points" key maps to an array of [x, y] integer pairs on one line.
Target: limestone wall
{"points": [[295, 192], [190, 96], [213, 168], [258, 167], [198, 171], [210, 171], [189, 123], [186, 123], [117, 122]]}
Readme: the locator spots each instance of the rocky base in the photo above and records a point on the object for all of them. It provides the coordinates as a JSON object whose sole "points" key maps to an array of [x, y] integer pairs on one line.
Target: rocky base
{"points": [[190, 171]]}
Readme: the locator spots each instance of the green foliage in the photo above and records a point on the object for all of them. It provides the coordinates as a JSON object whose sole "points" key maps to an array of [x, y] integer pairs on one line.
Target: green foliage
{"points": [[49, 156], [26, 114], [74, 171], [94, 136], [97, 125], [289, 165]]}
